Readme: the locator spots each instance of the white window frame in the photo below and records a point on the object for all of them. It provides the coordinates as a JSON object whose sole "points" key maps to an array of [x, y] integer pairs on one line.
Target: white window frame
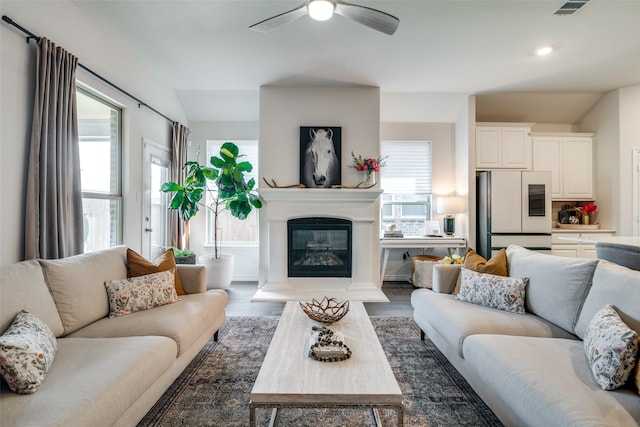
{"points": [[400, 194], [115, 193]]}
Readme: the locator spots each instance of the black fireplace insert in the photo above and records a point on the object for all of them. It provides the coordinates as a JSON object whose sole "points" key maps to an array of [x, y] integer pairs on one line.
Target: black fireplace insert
{"points": [[319, 247]]}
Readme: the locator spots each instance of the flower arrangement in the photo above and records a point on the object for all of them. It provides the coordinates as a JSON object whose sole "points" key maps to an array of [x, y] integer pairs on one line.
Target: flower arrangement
{"points": [[453, 259], [588, 209], [367, 163]]}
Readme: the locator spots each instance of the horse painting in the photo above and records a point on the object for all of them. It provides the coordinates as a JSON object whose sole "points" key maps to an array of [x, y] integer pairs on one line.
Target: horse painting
{"points": [[320, 163]]}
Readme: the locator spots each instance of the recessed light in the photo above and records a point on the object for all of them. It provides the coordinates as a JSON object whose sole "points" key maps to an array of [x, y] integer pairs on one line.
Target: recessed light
{"points": [[545, 50]]}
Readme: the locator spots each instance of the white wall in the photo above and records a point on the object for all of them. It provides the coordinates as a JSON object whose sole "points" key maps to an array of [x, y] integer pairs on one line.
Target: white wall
{"points": [[64, 24], [614, 119]]}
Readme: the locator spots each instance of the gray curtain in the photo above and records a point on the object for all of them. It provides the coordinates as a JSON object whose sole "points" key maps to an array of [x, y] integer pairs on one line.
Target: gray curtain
{"points": [[53, 214], [178, 159]]}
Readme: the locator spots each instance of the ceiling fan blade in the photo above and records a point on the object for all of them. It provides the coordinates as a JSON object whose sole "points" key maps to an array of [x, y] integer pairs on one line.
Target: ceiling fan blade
{"points": [[272, 23], [372, 18]]}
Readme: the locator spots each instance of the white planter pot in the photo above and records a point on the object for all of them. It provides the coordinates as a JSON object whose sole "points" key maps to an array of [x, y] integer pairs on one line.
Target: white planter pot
{"points": [[219, 271]]}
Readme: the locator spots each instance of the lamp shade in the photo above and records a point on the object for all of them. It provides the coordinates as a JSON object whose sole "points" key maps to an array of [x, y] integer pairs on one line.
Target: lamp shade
{"points": [[449, 205]]}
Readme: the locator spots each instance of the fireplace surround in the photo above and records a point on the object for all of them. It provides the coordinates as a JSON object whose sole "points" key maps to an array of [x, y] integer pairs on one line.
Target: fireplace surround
{"points": [[358, 207]]}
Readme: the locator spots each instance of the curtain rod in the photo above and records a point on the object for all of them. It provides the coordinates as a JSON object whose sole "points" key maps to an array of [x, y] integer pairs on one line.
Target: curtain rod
{"points": [[141, 103]]}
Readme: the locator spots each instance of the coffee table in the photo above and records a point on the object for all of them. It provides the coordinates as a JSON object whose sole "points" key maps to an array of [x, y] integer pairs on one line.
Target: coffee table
{"points": [[289, 378]]}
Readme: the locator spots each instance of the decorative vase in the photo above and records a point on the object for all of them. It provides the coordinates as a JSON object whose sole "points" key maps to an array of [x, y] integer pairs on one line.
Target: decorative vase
{"points": [[219, 271], [369, 178], [585, 219]]}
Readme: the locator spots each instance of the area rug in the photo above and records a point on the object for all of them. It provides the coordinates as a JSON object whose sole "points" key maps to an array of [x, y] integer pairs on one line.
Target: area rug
{"points": [[214, 390]]}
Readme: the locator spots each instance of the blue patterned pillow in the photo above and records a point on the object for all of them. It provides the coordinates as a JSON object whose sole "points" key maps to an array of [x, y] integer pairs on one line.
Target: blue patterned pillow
{"points": [[611, 348], [500, 292], [27, 349]]}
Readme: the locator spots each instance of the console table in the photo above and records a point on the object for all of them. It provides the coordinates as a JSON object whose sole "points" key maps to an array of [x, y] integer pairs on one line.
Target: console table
{"points": [[388, 243]]}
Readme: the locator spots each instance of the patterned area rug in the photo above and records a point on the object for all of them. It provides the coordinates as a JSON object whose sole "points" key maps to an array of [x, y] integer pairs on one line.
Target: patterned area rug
{"points": [[214, 389]]}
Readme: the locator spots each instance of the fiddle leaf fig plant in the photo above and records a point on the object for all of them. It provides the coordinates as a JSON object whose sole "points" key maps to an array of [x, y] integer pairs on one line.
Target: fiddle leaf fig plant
{"points": [[234, 193]]}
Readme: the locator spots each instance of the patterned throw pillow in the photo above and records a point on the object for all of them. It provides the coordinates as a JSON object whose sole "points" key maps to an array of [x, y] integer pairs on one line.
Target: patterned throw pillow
{"points": [[489, 290], [27, 349], [611, 348], [140, 266], [140, 293]]}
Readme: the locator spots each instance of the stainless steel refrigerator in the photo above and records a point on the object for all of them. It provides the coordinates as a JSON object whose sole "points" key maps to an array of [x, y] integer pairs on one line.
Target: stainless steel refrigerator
{"points": [[513, 207]]}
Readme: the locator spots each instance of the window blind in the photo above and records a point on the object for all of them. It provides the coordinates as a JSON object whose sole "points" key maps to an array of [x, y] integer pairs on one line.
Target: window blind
{"points": [[407, 167]]}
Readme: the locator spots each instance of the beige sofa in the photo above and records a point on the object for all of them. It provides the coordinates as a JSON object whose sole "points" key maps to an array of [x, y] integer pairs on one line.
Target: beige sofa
{"points": [[107, 371], [531, 369]]}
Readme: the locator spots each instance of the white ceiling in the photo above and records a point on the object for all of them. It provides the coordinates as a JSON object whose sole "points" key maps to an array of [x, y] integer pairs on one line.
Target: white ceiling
{"points": [[443, 51]]}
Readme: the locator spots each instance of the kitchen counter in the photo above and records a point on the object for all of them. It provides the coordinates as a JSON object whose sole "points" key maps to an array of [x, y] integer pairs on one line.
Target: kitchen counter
{"points": [[581, 230]]}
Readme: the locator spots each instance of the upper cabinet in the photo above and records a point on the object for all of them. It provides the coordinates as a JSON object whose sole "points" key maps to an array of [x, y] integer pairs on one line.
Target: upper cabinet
{"points": [[569, 157], [503, 146]]}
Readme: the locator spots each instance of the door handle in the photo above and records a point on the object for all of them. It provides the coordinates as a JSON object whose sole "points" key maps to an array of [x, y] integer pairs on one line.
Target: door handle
{"points": [[148, 230]]}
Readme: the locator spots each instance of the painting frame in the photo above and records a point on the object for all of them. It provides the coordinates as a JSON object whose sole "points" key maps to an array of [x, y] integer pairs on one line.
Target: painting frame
{"points": [[322, 171]]}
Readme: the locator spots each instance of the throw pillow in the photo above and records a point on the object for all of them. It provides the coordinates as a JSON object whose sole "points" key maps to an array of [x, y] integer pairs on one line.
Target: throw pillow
{"points": [[497, 265], [140, 293], [611, 348], [27, 349], [140, 266], [489, 290]]}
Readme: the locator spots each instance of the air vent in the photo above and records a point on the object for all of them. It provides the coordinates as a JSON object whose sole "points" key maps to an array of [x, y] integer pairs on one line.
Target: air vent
{"points": [[571, 7]]}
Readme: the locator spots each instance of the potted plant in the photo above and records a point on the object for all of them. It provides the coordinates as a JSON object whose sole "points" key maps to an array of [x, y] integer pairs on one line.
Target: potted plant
{"points": [[184, 256], [233, 194]]}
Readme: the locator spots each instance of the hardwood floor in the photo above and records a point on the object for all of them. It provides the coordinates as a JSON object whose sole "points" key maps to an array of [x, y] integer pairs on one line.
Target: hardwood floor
{"points": [[240, 293]]}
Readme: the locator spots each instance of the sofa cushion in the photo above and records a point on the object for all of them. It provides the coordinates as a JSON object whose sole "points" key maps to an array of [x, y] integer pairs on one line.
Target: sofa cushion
{"points": [[545, 382], [140, 266], [496, 265], [22, 287], [134, 294], [615, 285], [611, 348], [489, 290], [557, 285], [183, 321], [455, 320], [92, 382], [77, 284], [27, 350]]}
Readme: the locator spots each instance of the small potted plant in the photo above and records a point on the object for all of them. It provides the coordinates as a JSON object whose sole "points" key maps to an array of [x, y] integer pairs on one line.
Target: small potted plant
{"points": [[587, 211], [233, 194]]}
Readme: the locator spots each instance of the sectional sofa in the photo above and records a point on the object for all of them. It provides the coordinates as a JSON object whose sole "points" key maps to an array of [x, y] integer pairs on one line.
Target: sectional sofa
{"points": [[106, 371], [531, 369]]}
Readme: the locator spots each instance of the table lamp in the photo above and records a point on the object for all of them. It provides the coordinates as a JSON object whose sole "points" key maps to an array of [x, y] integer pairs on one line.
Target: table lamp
{"points": [[449, 205]]}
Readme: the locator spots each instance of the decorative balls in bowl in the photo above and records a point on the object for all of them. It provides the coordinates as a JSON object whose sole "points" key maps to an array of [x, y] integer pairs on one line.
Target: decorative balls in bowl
{"points": [[328, 310]]}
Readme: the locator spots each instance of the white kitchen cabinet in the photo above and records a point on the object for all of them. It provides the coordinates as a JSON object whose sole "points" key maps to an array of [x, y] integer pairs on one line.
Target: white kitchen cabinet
{"points": [[503, 146], [569, 157], [575, 249]]}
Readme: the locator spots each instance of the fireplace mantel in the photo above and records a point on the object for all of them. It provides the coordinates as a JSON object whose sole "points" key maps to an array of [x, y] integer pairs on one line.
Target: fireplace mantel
{"points": [[361, 206], [320, 194]]}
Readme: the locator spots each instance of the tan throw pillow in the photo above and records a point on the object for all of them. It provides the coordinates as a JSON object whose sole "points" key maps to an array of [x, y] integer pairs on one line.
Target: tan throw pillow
{"points": [[497, 265], [140, 266], [140, 293]]}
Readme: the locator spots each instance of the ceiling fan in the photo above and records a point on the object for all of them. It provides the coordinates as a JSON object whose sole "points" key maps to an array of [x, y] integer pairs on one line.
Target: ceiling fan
{"points": [[321, 10]]}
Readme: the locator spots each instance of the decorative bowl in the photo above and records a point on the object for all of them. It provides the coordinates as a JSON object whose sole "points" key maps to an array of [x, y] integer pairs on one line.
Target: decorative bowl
{"points": [[328, 310]]}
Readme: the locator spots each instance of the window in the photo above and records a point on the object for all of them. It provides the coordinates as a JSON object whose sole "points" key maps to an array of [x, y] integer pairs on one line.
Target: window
{"points": [[406, 180], [99, 131], [234, 231]]}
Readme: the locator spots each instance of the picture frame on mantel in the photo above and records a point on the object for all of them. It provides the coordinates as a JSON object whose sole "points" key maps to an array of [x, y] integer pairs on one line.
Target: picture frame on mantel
{"points": [[320, 156]]}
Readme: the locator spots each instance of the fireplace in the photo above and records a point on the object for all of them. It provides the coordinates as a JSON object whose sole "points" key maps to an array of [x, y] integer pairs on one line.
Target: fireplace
{"points": [[319, 247], [358, 278]]}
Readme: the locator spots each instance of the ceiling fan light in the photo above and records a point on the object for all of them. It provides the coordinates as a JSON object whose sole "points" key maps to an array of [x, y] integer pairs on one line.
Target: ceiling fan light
{"points": [[321, 10]]}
